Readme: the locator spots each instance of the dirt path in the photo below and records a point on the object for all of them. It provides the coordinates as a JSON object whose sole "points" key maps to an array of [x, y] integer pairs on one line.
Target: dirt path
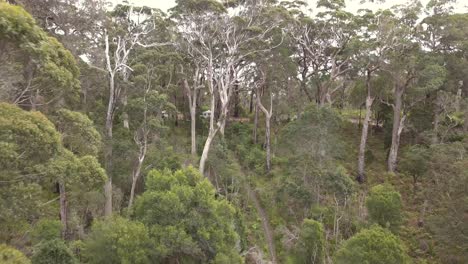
{"points": [[265, 222]]}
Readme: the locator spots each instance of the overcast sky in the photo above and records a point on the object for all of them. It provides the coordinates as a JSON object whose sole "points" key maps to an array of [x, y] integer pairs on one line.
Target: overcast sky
{"points": [[352, 5]]}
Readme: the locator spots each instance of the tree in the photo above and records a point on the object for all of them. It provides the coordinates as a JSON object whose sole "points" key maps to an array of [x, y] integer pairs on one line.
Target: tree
{"points": [[219, 45], [414, 74], [384, 206], [324, 47], [49, 73], [415, 162], [130, 34], [373, 46], [147, 107], [34, 158], [185, 220], [375, 245], [75, 25]]}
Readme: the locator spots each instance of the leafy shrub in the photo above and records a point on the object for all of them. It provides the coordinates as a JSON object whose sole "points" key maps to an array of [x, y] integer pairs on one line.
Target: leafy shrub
{"points": [[185, 219], [310, 247], [375, 245], [9, 255], [52, 252], [117, 240], [384, 205], [46, 230]]}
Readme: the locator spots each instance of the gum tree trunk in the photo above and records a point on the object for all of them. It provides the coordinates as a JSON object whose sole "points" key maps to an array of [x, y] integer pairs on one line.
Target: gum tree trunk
{"points": [[365, 131], [364, 135], [63, 209], [398, 122]]}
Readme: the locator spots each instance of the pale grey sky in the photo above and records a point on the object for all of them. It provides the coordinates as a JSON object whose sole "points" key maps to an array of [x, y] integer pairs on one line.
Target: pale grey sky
{"points": [[352, 5]]}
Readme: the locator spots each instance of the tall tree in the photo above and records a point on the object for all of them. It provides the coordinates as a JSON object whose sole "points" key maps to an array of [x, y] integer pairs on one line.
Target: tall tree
{"points": [[220, 45], [377, 39], [413, 72], [324, 47], [130, 33]]}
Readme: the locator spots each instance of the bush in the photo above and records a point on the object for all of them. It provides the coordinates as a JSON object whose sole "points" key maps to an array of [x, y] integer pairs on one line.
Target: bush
{"points": [[310, 247], [384, 205], [9, 255], [374, 246], [187, 223], [117, 240], [46, 230], [52, 252]]}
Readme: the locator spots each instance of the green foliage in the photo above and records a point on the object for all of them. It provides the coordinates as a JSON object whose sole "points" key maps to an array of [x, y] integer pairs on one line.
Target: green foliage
{"points": [[313, 146], [340, 184], [78, 132], [29, 134], [9, 255], [78, 173], [117, 240], [414, 161], [375, 245], [52, 252], [27, 140], [57, 73], [33, 161], [446, 193], [46, 230], [309, 249], [186, 221], [384, 205]]}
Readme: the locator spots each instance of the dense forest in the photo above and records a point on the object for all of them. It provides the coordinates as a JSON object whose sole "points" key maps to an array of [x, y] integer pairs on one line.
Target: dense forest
{"points": [[241, 131]]}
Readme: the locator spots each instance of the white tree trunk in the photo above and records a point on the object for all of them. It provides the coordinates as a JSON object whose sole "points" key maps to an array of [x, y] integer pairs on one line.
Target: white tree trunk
{"points": [[135, 176], [63, 209], [206, 150], [398, 123], [364, 134], [193, 131]]}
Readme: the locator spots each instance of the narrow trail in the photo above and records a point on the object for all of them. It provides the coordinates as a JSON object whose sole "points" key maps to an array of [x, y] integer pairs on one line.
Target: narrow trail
{"points": [[265, 222]]}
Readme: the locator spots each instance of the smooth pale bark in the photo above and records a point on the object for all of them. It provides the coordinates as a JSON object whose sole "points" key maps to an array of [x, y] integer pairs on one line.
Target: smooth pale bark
{"points": [[192, 100], [137, 172], [63, 209], [364, 134], [212, 130], [435, 133], [109, 148], [458, 99], [268, 114], [255, 124], [398, 124], [206, 149], [365, 131], [108, 133]]}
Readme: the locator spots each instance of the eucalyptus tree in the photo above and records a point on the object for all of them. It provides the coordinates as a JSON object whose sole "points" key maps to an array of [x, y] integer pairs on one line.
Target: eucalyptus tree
{"points": [[131, 27], [192, 83], [151, 78], [35, 157], [324, 49], [75, 23], [414, 74], [220, 39], [377, 39], [444, 37], [36, 69]]}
